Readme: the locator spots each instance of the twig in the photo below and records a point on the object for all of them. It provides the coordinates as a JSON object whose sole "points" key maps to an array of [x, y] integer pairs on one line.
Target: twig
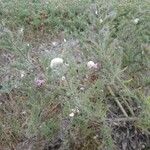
{"points": [[128, 119], [117, 101], [126, 103], [115, 120]]}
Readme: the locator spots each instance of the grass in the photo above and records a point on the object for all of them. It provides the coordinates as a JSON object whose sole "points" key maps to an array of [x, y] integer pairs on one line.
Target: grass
{"points": [[103, 31]]}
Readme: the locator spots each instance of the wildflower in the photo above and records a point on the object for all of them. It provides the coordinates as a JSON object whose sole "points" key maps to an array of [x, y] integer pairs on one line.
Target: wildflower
{"points": [[101, 20], [82, 88], [96, 13], [92, 65], [54, 43], [23, 112], [39, 82], [95, 137], [21, 30], [74, 111], [63, 78], [71, 114], [136, 20], [22, 74], [65, 40], [63, 81], [56, 62]]}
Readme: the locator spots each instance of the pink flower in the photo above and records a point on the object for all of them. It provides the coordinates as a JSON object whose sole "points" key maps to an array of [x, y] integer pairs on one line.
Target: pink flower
{"points": [[92, 65], [39, 82]]}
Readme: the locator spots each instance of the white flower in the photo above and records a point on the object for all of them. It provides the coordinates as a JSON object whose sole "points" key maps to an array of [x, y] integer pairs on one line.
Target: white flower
{"points": [[101, 20], [82, 88], [95, 137], [65, 40], [21, 30], [76, 110], [136, 20], [91, 65], [96, 13], [73, 110], [54, 43], [23, 112], [22, 74], [71, 115], [63, 78], [56, 62]]}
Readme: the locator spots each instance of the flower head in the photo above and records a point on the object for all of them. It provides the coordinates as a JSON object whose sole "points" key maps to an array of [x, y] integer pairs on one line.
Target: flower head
{"points": [[136, 20], [74, 112], [65, 40], [21, 30], [92, 65], [56, 62], [22, 73], [71, 114], [39, 82], [101, 20], [54, 43], [63, 78]]}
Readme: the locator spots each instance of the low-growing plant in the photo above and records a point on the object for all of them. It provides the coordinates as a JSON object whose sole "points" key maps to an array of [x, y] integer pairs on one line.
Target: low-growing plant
{"points": [[76, 102]]}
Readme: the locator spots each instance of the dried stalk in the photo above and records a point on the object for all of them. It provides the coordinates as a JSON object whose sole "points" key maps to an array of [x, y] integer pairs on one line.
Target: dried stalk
{"points": [[117, 101]]}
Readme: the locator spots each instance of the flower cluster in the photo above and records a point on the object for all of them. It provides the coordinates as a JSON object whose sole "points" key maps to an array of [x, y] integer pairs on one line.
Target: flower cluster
{"points": [[56, 62], [73, 112], [92, 65], [39, 82]]}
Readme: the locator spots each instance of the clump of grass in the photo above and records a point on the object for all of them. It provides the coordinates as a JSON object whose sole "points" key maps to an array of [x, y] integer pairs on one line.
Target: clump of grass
{"points": [[51, 17]]}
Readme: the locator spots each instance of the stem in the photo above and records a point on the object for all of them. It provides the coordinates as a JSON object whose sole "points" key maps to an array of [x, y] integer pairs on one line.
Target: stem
{"points": [[117, 101]]}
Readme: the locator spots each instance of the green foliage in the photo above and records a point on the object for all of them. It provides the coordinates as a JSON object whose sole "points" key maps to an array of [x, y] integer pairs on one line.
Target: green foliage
{"points": [[110, 37]]}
